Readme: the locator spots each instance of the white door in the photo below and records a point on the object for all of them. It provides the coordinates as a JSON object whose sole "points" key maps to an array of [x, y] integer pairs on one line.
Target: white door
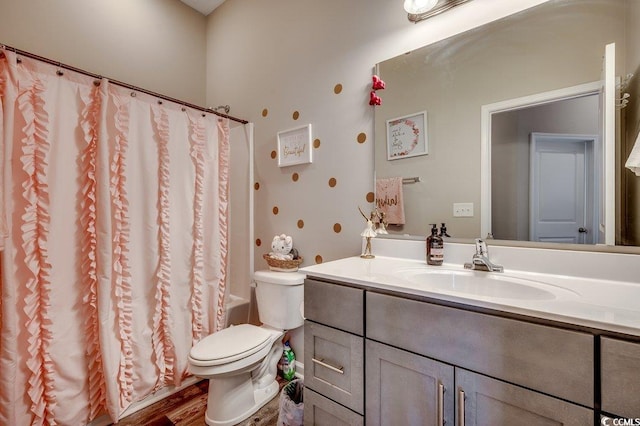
{"points": [[562, 189]]}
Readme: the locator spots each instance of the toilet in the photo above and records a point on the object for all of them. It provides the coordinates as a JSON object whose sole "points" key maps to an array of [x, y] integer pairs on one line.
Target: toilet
{"points": [[240, 362]]}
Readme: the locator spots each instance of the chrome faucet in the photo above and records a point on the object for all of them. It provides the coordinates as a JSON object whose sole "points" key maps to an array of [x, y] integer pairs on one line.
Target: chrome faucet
{"points": [[480, 260]]}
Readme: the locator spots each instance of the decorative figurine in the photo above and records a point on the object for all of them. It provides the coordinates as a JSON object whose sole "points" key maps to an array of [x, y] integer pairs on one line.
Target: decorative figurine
{"points": [[382, 222], [377, 84], [282, 247], [367, 234], [283, 257], [374, 99]]}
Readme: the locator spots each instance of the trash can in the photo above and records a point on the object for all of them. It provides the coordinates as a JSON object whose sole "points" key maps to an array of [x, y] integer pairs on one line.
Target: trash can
{"points": [[291, 404]]}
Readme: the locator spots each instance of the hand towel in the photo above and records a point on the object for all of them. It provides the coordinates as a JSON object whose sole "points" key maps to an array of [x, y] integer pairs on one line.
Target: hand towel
{"points": [[389, 199], [633, 162]]}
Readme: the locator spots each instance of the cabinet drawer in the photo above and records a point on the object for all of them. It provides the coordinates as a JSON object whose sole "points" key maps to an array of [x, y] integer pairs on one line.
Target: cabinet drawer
{"points": [[334, 364], [620, 377], [486, 401], [321, 411], [547, 359], [334, 305]]}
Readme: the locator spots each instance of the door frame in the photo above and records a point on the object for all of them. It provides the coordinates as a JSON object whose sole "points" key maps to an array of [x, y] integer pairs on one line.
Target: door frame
{"points": [[487, 112]]}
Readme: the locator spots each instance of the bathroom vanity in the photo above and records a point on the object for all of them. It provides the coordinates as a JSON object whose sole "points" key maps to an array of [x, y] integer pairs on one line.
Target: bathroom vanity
{"points": [[384, 346]]}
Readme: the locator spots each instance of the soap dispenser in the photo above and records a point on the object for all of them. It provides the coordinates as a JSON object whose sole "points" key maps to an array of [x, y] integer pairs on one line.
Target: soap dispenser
{"points": [[435, 247]]}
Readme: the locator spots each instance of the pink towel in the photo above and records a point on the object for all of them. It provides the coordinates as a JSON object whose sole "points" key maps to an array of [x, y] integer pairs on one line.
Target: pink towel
{"points": [[389, 199]]}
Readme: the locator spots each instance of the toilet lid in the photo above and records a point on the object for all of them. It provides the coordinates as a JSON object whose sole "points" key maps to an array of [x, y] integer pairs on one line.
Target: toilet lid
{"points": [[231, 343]]}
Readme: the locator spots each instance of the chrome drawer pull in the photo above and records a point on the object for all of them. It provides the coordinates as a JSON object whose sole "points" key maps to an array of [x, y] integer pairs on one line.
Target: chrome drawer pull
{"points": [[440, 419], [460, 407], [330, 367]]}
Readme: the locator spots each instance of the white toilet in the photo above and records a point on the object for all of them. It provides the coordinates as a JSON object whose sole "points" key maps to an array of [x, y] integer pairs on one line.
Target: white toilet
{"points": [[241, 361]]}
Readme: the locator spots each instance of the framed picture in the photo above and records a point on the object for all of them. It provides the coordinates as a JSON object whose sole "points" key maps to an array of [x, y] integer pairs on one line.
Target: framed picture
{"points": [[407, 136], [294, 146]]}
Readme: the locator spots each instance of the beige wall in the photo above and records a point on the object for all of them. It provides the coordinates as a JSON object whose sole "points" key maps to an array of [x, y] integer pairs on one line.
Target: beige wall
{"points": [[158, 45], [284, 56]]}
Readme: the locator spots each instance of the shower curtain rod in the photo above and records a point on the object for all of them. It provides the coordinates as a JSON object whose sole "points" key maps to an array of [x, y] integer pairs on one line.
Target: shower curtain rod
{"points": [[120, 83]]}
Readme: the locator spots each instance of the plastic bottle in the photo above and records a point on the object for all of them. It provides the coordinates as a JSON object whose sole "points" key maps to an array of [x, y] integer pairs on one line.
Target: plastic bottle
{"points": [[435, 247], [288, 362]]}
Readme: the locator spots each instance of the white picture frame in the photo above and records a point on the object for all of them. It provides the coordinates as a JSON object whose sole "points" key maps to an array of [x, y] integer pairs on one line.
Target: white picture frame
{"points": [[294, 146], [407, 136]]}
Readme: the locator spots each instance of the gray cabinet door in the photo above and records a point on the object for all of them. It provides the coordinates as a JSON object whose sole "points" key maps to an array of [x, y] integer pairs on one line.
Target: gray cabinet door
{"points": [[620, 377], [406, 389], [483, 401], [321, 411]]}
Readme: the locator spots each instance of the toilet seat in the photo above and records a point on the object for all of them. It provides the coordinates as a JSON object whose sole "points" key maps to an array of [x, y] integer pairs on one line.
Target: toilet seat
{"points": [[230, 344]]}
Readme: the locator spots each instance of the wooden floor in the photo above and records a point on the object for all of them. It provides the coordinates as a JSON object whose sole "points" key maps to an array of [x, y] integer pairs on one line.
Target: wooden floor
{"points": [[187, 408]]}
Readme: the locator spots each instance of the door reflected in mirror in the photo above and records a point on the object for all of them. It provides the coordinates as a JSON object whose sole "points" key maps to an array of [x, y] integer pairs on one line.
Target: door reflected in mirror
{"points": [[562, 188]]}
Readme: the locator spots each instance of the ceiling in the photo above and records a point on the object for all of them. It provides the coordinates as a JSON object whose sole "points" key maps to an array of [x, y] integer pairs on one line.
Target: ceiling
{"points": [[203, 6]]}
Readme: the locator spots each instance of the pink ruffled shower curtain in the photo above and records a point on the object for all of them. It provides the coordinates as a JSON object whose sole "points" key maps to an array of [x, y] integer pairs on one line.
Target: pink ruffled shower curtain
{"points": [[115, 252]]}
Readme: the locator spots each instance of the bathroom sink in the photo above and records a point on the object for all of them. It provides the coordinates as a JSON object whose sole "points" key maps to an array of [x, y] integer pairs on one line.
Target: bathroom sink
{"points": [[484, 284]]}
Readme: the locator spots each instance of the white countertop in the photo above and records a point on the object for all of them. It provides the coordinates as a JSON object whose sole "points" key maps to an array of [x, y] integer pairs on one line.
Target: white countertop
{"points": [[596, 303]]}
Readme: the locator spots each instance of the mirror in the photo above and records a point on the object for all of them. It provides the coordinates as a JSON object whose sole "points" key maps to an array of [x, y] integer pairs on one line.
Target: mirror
{"points": [[556, 47]]}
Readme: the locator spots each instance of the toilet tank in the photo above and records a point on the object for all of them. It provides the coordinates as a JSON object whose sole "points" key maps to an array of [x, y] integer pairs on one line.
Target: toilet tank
{"points": [[280, 297]]}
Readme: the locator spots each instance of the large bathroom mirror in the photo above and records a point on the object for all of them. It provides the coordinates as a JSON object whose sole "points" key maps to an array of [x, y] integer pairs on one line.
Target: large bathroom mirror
{"points": [[532, 83]]}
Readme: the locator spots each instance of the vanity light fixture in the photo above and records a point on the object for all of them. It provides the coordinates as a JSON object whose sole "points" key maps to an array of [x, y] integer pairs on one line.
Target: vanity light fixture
{"points": [[415, 7], [419, 10]]}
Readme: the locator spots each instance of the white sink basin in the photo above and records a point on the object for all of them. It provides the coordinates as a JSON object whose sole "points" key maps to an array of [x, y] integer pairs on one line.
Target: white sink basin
{"points": [[484, 284]]}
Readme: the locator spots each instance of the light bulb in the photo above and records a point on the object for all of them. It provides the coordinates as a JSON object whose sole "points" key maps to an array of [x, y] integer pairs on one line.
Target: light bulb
{"points": [[419, 6]]}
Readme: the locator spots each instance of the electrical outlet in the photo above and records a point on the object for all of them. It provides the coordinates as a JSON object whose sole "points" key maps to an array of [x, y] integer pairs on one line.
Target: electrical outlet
{"points": [[462, 209]]}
